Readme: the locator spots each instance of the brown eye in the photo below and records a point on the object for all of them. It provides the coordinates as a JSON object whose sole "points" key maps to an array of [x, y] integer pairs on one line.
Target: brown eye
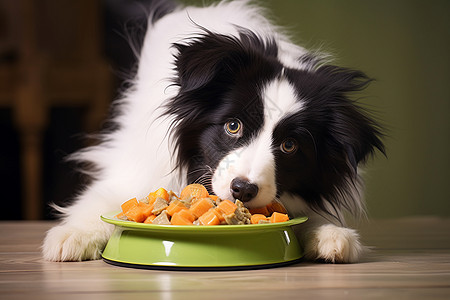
{"points": [[288, 146], [234, 127]]}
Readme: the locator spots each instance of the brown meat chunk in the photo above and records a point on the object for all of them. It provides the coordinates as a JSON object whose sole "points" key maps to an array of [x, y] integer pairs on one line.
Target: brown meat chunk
{"points": [[162, 219], [159, 206]]}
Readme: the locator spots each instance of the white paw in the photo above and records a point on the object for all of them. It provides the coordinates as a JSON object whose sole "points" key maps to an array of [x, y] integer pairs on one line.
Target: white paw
{"points": [[334, 244], [69, 243]]}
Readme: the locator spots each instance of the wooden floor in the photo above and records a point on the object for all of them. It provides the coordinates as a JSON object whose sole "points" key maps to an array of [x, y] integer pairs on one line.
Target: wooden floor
{"points": [[410, 260]]}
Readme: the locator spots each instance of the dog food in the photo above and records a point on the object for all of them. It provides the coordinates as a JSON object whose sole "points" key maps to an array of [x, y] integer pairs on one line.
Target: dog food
{"points": [[195, 206]]}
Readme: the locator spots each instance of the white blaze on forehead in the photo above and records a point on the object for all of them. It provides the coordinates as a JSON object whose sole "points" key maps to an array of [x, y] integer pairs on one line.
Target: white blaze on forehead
{"points": [[255, 161], [280, 100]]}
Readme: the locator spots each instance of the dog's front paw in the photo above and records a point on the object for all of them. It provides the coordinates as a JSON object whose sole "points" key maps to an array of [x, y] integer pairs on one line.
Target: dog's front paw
{"points": [[69, 243], [334, 244]]}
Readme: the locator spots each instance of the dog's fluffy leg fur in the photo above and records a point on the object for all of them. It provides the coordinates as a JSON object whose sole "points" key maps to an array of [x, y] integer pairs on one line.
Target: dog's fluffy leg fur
{"points": [[81, 235], [332, 243], [67, 242], [323, 237]]}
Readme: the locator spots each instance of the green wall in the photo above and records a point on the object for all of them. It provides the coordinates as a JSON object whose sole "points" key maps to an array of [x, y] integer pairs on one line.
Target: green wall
{"points": [[405, 46]]}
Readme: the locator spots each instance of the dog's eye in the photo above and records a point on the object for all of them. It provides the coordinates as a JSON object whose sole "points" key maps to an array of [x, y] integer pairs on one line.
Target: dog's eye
{"points": [[288, 146], [234, 127]]}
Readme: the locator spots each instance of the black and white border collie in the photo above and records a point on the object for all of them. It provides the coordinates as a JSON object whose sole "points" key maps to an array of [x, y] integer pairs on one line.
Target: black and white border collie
{"points": [[223, 98]]}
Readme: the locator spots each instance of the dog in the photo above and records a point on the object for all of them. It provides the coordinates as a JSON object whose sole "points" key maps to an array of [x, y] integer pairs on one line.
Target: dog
{"points": [[222, 97]]}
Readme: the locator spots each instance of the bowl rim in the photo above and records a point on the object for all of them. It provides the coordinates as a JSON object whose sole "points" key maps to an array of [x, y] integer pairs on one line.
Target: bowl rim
{"points": [[111, 219]]}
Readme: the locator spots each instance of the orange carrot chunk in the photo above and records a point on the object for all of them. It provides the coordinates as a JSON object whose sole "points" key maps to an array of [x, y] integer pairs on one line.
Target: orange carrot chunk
{"points": [[214, 197], [150, 219], [219, 214], [257, 217], [200, 206], [151, 198], [127, 205], [209, 218], [179, 219], [187, 214], [277, 217], [194, 190], [145, 208], [135, 214], [161, 192], [227, 207], [120, 215], [174, 207]]}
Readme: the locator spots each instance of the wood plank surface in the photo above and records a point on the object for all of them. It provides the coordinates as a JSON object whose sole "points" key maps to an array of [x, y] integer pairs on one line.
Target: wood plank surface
{"points": [[410, 259]]}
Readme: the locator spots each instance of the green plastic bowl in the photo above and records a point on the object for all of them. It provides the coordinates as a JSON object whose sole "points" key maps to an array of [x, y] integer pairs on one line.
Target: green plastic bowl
{"points": [[201, 247]]}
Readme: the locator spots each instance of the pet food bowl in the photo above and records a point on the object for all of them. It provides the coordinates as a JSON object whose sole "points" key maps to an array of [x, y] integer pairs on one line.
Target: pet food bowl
{"points": [[201, 247]]}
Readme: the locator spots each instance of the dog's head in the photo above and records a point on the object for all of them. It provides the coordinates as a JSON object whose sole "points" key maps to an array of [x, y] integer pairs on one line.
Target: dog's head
{"points": [[249, 127]]}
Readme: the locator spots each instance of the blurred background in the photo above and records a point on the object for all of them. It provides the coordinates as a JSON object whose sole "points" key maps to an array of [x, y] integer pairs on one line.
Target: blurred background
{"points": [[62, 62]]}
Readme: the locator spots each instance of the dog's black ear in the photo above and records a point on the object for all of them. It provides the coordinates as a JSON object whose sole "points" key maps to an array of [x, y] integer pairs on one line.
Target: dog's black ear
{"points": [[351, 133], [201, 61], [344, 133], [216, 59], [351, 126]]}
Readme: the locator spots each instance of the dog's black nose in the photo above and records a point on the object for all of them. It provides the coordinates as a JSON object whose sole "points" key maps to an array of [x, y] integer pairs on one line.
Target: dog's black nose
{"points": [[243, 190]]}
